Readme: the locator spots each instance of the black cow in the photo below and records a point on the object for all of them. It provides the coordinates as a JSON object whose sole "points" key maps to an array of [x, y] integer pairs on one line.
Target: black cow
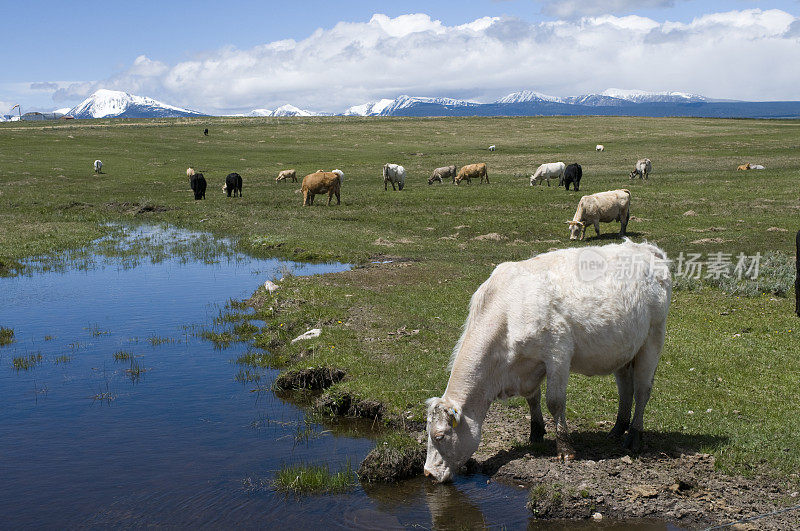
{"points": [[205, 132], [198, 183], [233, 183], [573, 174]]}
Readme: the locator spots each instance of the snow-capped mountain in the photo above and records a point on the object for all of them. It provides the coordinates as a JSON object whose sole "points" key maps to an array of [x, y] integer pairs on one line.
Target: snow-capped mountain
{"points": [[116, 104], [283, 110], [642, 96], [525, 96], [62, 111], [608, 98], [387, 107]]}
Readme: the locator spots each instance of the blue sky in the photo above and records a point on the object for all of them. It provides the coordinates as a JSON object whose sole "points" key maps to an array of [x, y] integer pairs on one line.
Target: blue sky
{"points": [[164, 49]]}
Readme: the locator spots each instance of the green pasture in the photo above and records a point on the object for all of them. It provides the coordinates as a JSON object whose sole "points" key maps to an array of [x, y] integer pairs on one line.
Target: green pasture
{"points": [[730, 369]]}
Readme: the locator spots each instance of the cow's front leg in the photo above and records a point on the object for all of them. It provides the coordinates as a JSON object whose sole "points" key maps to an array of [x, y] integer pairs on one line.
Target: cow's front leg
{"points": [[537, 420]]}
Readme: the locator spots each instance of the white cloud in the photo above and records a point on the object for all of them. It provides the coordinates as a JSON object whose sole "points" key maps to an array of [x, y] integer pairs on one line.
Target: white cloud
{"points": [[582, 8], [724, 55]]}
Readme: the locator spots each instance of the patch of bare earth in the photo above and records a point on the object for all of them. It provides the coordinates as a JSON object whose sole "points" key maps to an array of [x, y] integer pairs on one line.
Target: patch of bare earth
{"points": [[678, 485]]}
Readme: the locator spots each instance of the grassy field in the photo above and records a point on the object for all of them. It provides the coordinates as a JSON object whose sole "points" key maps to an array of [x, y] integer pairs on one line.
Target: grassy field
{"points": [[731, 365]]}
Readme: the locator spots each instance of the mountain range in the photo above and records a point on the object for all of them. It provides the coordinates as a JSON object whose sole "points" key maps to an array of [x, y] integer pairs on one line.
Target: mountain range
{"points": [[619, 102]]}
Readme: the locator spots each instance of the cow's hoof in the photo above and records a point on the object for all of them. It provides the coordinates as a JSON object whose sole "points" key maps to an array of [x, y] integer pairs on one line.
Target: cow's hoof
{"points": [[537, 434], [617, 432], [633, 441]]}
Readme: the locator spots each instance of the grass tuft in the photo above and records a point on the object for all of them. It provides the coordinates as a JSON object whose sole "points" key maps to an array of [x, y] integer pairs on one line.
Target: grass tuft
{"points": [[23, 363], [314, 479], [6, 336]]}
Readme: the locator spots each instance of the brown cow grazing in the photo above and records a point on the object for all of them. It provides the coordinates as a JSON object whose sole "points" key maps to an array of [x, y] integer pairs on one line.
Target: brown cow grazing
{"points": [[285, 175], [743, 167], [614, 205], [471, 171], [319, 183]]}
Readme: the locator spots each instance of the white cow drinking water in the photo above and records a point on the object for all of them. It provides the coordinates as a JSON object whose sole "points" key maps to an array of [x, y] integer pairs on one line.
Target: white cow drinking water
{"points": [[595, 310]]}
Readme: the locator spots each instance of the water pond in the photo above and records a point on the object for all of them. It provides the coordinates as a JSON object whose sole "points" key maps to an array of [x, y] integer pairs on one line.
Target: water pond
{"points": [[116, 412]]}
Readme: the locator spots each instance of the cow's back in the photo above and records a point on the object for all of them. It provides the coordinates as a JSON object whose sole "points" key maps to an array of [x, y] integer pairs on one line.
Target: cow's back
{"points": [[572, 298]]}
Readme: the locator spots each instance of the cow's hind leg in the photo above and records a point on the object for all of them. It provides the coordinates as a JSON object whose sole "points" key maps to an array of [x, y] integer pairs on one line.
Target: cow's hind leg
{"points": [[624, 376], [556, 396], [644, 369]]}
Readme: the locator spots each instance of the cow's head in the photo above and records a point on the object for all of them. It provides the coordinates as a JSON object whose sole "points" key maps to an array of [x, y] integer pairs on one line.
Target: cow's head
{"points": [[576, 230], [401, 184], [452, 439]]}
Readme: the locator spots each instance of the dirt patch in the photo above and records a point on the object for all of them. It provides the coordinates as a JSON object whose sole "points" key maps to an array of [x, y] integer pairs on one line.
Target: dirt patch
{"points": [[709, 229], [383, 242], [690, 213], [135, 208], [387, 464], [680, 485], [314, 378], [777, 229], [491, 236], [347, 405], [711, 240]]}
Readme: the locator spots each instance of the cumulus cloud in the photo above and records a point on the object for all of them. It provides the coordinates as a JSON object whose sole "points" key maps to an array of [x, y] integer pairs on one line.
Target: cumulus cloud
{"points": [[579, 8], [353, 63]]}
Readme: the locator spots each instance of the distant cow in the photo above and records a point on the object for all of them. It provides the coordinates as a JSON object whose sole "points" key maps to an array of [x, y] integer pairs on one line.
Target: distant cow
{"points": [[198, 184], [642, 169], [321, 182], [445, 172], [205, 131], [573, 175], [98, 166], [233, 184], [285, 175], [744, 167], [756, 167], [472, 171], [599, 147], [492, 147], [393, 173], [603, 206], [547, 171]]}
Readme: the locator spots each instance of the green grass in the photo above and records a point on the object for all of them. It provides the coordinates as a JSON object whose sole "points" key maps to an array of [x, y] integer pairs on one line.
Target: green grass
{"points": [[314, 479], [23, 363], [122, 355], [156, 341], [737, 340], [6, 336]]}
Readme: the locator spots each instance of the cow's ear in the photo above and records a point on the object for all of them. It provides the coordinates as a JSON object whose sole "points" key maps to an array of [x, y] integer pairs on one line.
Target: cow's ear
{"points": [[453, 416]]}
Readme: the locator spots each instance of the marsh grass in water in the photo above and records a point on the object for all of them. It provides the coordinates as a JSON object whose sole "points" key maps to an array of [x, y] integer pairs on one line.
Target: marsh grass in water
{"points": [[221, 340], [314, 479], [122, 355], [63, 359], [248, 375], [156, 341], [135, 371], [6, 336], [23, 363]]}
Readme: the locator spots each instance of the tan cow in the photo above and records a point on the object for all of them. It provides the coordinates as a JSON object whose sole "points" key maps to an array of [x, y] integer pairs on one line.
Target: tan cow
{"points": [[285, 175], [743, 167], [321, 182], [471, 171], [603, 206]]}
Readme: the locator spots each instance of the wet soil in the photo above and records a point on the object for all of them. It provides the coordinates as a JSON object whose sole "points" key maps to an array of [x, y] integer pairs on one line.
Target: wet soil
{"points": [[679, 485]]}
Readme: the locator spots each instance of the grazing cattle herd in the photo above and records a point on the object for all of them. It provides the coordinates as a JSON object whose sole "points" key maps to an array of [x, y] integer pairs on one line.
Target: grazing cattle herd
{"points": [[556, 313]]}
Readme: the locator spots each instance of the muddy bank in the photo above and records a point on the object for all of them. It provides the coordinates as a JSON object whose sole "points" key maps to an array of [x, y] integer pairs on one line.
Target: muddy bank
{"points": [[678, 485]]}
